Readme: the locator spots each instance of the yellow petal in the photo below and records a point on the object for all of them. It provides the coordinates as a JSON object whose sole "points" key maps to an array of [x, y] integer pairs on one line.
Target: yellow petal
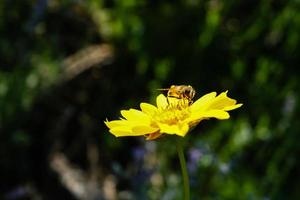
{"points": [[161, 101], [120, 131], [144, 129], [148, 108], [221, 101], [204, 100], [196, 117], [178, 129], [219, 114], [124, 131], [115, 123], [227, 108], [135, 115]]}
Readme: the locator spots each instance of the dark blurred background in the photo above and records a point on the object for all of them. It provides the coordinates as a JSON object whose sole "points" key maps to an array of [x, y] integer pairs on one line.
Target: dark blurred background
{"points": [[67, 65]]}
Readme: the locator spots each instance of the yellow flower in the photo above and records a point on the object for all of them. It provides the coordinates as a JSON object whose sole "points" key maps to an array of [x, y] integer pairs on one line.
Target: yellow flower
{"points": [[171, 115]]}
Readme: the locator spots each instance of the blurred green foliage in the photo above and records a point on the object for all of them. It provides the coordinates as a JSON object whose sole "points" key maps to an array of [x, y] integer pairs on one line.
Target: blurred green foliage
{"points": [[250, 48]]}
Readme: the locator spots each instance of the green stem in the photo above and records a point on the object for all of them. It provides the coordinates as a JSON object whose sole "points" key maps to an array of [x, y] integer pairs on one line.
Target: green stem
{"points": [[185, 177]]}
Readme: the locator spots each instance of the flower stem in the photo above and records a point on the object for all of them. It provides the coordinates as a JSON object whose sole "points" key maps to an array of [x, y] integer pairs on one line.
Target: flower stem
{"points": [[185, 177]]}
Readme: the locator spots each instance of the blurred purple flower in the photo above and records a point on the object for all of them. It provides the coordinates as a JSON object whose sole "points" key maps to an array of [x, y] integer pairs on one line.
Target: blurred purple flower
{"points": [[194, 156], [17, 193], [138, 154]]}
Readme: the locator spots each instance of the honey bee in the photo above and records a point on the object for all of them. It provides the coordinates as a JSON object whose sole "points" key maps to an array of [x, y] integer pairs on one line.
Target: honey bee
{"points": [[181, 92]]}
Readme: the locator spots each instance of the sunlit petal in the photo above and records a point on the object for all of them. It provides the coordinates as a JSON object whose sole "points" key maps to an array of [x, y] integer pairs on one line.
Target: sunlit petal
{"points": [[135, 115], [227, 108], [124, 131], [221, 101], [203, 101], [197, 116], [115, 123], [219, 114], [148, 108], [144, 129], [178, 129], [161, 101]]}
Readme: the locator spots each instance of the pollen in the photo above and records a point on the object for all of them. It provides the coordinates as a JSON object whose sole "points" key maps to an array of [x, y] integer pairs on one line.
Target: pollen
{"points": [[176, 111]]}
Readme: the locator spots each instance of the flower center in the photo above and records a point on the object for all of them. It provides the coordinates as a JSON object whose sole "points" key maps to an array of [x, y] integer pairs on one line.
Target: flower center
{"points": [[176, 111]]}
